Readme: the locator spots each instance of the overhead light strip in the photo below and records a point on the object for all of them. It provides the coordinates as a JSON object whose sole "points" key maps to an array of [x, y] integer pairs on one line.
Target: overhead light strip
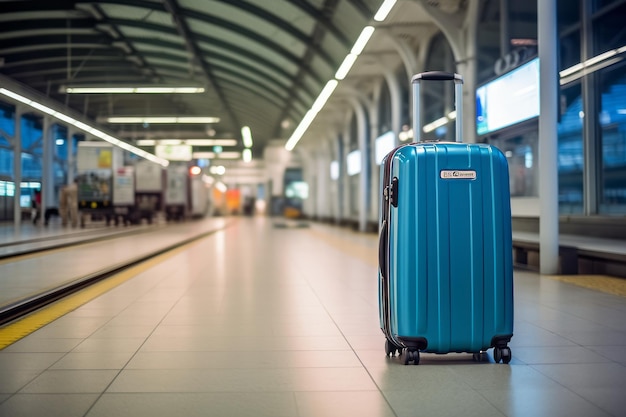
{"points": [[363, 39], [83, 126], [159, 120], [214, 155], [384, 10], [193, 142], [341, 73], [132, 90], [246, 134], [247, 155], [597, 62]]}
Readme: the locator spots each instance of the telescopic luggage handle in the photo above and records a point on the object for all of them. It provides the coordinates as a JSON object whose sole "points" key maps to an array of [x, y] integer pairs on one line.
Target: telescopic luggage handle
{"points": [[458, 100]]}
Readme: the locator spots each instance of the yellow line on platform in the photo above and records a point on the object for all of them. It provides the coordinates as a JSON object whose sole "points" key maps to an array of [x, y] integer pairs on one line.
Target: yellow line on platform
{"points": [[366, 254], [34, 255], [603, 283], [15, 331]]}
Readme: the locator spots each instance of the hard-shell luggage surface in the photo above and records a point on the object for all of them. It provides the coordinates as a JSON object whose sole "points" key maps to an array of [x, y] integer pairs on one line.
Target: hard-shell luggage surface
{"points": [[446, 271]]}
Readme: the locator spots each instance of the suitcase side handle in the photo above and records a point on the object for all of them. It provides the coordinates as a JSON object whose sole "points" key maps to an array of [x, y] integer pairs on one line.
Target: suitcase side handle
{"points": [[383, 240], [458, 100]]}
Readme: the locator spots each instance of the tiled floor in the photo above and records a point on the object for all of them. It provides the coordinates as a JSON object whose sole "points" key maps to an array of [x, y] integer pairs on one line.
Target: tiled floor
{"points": [[263, 321]]}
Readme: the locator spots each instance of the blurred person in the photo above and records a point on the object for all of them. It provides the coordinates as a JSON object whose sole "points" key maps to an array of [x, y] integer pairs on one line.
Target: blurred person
{"points": [[36, 203]]}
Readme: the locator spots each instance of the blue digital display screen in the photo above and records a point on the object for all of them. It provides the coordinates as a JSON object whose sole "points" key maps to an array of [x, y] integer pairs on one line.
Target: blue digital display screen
{"points": [[509, 99]]}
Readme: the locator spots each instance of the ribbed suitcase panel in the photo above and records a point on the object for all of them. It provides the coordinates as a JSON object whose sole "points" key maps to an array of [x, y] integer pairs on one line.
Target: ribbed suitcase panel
{"points": [[450, 249]]}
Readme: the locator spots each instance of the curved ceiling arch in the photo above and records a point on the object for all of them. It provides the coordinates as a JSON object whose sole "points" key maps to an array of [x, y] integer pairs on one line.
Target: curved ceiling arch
{"points": [[259, 73]]}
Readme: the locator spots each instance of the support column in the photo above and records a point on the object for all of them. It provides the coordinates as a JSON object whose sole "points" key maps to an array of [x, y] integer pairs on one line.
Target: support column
{"points": [[17, 168], [338, 154], [47, 170], [548, 137], [395, 98], [364, 185], [343, 209], [324, 188], [592, 145], [459, 29], [70, 155]]}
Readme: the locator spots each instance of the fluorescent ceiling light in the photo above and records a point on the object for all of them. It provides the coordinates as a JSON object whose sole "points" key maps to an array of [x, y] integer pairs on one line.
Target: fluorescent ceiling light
{"points": [[341, 73], [436, 124], [247, 155], [604, 58], [324, 95], [310, 115], [197, 120], [571, 70], [84, 127], [299, 132], [247, 136], [221, 186], [217, 169], [384, 10], [364, 37], [132, 90], [406, 135], [601, 57], [193, 142], [211, 142], [347, 63], [213, 155], [161, 119]]}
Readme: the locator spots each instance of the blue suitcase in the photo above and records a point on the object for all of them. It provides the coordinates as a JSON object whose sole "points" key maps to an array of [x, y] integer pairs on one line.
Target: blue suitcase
{"points": [[445, 255]]}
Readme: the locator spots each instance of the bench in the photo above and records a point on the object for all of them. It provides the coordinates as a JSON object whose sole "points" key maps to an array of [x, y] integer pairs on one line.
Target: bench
{"points": [[578, 255]]}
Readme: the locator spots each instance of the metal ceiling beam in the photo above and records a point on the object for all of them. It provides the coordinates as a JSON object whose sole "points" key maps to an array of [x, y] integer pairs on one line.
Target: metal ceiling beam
{"points": [[242, 30], [172, 7], [319, 31], [211, 41], [363, 8], [283, 81], [280, 23], [253, 36], [323, 20]]}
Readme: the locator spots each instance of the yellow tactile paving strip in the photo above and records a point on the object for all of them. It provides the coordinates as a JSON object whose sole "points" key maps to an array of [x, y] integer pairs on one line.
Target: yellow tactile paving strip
{"points": [[15, 331], [366, 254], [603, 283]]}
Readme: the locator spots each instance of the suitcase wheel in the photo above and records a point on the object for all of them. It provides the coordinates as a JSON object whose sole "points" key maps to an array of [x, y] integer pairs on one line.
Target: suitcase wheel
{"points": [[502, 354], [391, 348], [412, 356]]}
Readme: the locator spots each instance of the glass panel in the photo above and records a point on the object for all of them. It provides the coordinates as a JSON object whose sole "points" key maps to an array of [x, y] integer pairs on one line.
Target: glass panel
{"points": [[31, 167], [609, 30], [613, 136], [6, 163], [570, 151], [568, 13], [60, 142], [7, 125], [570, 50], [521, 154], [599, 4]]}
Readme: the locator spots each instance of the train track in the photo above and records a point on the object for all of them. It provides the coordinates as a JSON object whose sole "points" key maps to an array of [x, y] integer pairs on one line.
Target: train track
{"points": [[18, 309], [11, 250]]}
